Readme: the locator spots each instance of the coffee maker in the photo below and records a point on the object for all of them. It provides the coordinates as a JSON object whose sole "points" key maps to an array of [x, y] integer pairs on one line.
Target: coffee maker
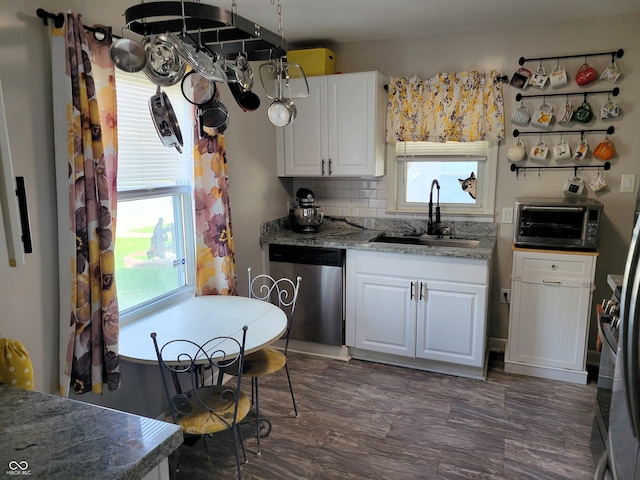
{"points": [[306, 216]]}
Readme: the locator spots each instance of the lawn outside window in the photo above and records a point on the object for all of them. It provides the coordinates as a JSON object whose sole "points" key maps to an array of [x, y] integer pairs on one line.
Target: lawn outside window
{"points": [[155, 246], [412, 167]]}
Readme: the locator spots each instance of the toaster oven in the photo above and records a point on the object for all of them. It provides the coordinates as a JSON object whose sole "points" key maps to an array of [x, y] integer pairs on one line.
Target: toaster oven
{"points": [[558, 223]]}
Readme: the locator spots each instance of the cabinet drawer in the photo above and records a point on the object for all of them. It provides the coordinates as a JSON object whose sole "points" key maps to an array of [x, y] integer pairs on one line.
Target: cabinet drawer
{"points": [[537, 266]]}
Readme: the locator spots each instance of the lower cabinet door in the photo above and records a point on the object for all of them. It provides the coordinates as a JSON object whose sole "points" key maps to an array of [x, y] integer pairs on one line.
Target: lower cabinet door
{"points": [[385, 312], [549, 323], [451, 325]]}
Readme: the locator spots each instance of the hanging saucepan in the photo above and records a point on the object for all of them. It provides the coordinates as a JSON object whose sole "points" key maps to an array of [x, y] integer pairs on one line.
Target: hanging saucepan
{"points": [[128, 55], [246, 99], [214, 114], [200, 91], [164, 66], [165, 121], [282, 112]]}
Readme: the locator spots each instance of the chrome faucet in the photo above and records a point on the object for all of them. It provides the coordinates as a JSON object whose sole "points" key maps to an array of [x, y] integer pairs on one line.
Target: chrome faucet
{"points": [[433, 227]]}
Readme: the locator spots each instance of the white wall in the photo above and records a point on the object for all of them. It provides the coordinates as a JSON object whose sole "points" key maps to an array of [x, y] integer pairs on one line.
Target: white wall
{"points": [[28, 296]]}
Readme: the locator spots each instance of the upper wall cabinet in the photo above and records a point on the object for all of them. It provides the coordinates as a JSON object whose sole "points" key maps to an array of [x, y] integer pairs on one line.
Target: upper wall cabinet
{"points": [[339, 128]]}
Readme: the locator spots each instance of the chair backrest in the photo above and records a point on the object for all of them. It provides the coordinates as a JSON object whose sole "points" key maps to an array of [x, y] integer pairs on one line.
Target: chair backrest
{"points": [[282, 292], [188, 370]]}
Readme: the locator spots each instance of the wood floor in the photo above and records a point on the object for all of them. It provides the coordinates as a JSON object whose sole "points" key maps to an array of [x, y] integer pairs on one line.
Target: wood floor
{"points": [[362, 420]]}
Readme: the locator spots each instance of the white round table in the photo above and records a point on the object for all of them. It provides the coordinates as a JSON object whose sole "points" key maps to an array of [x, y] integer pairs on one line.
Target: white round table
{"points": [[199, 319]]}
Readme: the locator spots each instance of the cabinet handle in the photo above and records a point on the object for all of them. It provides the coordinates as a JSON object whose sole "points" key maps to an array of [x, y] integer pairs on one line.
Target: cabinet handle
{"points": [[421, 284], [551, 282], [323, 166], [329, 166], [411, 297]]}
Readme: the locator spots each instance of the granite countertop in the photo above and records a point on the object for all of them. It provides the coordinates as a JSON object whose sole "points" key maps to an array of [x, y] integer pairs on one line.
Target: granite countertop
{"points": [[355, 233], [47, 436]]}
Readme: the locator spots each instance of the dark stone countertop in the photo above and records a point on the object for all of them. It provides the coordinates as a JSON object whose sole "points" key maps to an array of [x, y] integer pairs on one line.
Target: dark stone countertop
{"points": [[47, 436], [355, 233]]}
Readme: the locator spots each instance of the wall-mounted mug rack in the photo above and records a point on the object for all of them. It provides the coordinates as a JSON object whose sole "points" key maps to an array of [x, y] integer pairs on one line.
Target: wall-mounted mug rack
{"points": [[615, 92], [608, 131], [618, 53], [517, 168]]}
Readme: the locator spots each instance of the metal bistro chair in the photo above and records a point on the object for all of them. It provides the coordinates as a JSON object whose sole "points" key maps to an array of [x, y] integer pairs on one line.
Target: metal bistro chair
{"points": [[282, 292], [196, 402]]}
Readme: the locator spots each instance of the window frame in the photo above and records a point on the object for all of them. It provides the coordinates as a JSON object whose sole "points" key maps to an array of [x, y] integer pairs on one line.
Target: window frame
{"points": [[183, 207], [485, 201]]}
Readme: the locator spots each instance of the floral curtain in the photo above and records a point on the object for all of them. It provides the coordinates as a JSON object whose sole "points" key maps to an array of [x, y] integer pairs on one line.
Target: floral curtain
{"points": [[85, 133], [215, 262], [460, 107]]}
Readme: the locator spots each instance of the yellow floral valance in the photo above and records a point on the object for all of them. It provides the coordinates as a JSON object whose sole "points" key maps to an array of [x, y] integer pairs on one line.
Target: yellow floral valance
{"points": [[458, 107]]}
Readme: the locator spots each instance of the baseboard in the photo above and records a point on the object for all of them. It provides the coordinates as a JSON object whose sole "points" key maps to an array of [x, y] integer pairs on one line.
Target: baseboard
{"points": [[499, 345]]}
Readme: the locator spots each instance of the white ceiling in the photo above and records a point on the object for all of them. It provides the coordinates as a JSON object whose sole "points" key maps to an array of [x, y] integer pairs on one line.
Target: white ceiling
{"points": [[326, 22]]}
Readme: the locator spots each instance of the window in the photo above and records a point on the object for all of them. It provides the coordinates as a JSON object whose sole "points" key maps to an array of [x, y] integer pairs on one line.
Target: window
{"points": [[412, 167], [154, 246]]}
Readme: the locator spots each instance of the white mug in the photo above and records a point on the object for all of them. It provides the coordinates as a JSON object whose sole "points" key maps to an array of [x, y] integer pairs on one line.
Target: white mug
{"points": [[539, 78], [516, 152], [581, 150], [609, 109], [542, 116], [598, 184], [539, 151], [558, 77], [574, 186], [611, 74], [562, 151]]}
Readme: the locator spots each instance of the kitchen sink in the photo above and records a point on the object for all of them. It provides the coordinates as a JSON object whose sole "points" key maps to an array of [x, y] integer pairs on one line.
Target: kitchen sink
{"points": [[428, 240]]}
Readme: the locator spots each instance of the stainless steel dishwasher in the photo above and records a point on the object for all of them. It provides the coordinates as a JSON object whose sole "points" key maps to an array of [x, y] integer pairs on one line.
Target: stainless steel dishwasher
{"points": [[319, 310]]}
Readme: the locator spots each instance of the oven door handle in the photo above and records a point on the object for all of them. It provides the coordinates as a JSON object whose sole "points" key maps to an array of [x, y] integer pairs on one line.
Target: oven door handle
{"points": [[552, 282], [553, 209]]}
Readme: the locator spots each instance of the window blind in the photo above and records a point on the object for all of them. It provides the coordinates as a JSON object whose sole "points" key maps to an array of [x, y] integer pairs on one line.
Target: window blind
{"points": [[143, 160], [448, 151]]}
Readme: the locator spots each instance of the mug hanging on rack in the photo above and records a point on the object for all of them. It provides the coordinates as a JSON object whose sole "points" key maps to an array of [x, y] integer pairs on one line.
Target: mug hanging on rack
{"points": [[611, 73], [539, 78], [558, 77], [605, 149], [520, 78], [561, 151], [521, 115], [598, 184], [543, 115], [586, 74]]}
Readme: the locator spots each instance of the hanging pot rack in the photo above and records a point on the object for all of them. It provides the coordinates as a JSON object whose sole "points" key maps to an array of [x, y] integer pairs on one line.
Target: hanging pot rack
{"points": [[608, 131], [615, 92], [220, 30], [618, 53]]}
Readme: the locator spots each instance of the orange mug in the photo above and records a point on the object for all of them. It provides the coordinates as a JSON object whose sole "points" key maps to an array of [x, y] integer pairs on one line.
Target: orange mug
{"points": [[605, 150]]}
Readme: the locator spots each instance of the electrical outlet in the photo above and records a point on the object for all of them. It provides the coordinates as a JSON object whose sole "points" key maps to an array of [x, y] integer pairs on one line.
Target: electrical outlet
{"points": [[507, 215], [505, 295]]}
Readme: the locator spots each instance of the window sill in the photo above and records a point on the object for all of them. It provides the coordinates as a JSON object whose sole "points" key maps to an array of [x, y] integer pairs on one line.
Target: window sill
{"points": [[151, 308]]}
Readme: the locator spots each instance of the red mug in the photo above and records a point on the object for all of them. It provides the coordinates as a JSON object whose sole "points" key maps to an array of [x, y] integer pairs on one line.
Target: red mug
{"points": [[586, 74]]}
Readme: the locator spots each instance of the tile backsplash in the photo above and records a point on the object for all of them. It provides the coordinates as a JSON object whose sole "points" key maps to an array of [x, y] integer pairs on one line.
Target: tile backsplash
{"points": [[360, 197]]}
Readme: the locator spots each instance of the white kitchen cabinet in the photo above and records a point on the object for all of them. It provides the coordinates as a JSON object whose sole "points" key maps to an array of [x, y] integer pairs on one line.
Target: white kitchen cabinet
{"points": [[339, 129], [549, 314], [420, 311]]}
